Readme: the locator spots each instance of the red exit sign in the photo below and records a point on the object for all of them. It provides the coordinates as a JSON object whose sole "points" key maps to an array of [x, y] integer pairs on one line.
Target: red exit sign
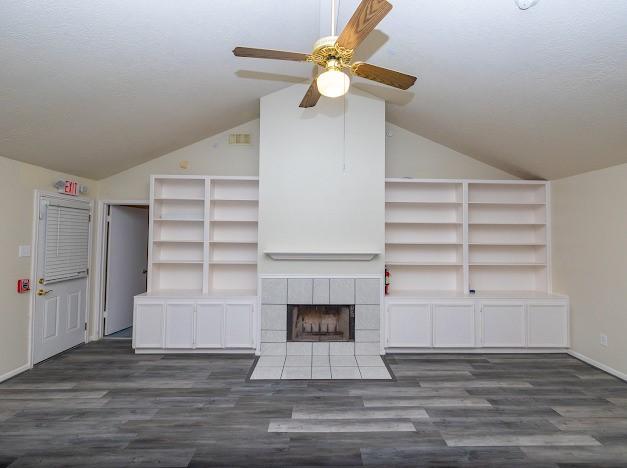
{"points": [[70, 187]]}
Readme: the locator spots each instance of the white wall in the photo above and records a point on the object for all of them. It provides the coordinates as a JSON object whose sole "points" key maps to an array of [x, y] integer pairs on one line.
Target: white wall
{"points": [[321, 180], [211, 156], [17, 183], [590, 260], [410, 155]]}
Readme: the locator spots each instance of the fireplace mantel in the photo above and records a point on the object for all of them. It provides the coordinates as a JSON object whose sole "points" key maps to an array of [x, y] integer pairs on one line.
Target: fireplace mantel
{"points": [[363, 256]]}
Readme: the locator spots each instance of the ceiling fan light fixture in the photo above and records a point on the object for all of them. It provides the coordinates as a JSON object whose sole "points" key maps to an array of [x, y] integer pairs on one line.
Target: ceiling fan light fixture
{"points": [[333, 82]]}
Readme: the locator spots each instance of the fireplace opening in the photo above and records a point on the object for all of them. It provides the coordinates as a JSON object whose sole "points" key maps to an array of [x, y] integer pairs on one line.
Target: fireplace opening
{"points": [[320, 322]]}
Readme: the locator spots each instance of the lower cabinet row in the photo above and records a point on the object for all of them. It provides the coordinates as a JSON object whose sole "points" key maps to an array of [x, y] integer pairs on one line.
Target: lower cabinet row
{"points": [[473, 324], [169, 324]]}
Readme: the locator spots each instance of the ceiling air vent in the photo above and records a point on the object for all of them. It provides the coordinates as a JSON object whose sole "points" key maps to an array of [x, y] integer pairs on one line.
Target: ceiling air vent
{"points": [[239, 139]]}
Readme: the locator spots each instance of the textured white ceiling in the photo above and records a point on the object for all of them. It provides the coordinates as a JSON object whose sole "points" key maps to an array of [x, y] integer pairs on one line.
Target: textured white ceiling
{"points": [[94, 87]]}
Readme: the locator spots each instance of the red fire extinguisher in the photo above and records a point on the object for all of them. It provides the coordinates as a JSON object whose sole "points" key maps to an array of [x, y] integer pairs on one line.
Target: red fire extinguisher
{"points": [[387, 281]]}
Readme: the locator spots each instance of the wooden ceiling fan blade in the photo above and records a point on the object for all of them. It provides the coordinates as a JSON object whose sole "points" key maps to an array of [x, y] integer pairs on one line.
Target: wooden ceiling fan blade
{"points": [[368, 14], [311, 96], [383, 75], [269, 54]]}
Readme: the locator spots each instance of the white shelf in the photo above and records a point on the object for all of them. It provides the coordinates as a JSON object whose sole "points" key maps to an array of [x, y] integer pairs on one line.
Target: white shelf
{"points": [[414, 202], [456, 235], [429, 264], [189, 216], [182, 262], [231, 242], [507, 244], [184, 220], [424, 243], [435, 223], [175, 241], [190, 199], [232, 262]]}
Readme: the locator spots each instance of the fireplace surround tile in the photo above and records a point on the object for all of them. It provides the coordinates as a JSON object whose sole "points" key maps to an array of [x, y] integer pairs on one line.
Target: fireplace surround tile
{"points": [[367, 291], [341, 348], [274, 317], [366, 335], [302, 348], [299, 373], [367, 317], [342, 291], [320, 360], [271, 361], [345, 372], [267, 373], [273, 349], [320, 349], [297, 360], [274, 291], [374, 372], [321, 291], [300, 291], [343, 361], [321, 372], [367, 349], [273, 336]]}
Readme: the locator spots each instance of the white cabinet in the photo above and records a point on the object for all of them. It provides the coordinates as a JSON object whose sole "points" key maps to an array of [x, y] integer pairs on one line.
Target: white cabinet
{"points": [[454, 325], [148, 325], [503, 325], [409, 325], [476, 322], [179, 325], [548, 325], [209, 325], [239, 326], [201, 324]]}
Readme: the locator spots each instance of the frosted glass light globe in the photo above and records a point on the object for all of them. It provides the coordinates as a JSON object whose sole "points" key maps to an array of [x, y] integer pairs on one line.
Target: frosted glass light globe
{"points": [[333, 83]]}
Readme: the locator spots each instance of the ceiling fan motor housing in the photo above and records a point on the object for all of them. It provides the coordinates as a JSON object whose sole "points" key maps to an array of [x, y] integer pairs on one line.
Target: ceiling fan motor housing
{"points": [[327, 53]]}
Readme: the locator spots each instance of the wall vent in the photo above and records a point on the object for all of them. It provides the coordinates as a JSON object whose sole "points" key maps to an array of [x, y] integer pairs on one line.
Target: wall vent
{"points": [[239, 139]]}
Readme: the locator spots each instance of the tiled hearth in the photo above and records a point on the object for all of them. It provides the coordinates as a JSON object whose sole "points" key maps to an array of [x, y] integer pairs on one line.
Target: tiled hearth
{"points": [[358, 359]]}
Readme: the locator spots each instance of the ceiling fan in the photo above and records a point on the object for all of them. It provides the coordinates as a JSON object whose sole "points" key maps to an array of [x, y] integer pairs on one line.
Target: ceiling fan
{"points": [[335, 53]]}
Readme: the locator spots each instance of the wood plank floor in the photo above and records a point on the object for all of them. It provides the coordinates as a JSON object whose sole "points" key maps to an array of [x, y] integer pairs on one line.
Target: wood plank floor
{"points": [[101, 405]]}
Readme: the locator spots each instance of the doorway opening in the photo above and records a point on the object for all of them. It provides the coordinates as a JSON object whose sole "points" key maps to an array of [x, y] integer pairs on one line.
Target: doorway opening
{"points": [[124, 265]]}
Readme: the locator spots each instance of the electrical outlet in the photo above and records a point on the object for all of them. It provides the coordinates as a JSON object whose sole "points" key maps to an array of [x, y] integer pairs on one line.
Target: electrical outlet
{"points": [[603, 340]]}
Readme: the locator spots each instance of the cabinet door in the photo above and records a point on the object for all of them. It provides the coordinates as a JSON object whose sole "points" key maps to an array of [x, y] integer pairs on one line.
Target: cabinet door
{"points": [[238, 326], [503, 325], [179, 325], [148, 325], [409, 325], [209, 325], [453, 325], [548, 325]]}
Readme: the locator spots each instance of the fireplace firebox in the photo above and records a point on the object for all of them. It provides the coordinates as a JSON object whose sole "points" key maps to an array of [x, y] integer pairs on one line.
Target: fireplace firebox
{"points": [[306, 322]]}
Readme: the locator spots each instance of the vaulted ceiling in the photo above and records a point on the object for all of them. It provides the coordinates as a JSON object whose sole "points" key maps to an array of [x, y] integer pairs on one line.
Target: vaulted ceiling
{"points": [[94, 87]]}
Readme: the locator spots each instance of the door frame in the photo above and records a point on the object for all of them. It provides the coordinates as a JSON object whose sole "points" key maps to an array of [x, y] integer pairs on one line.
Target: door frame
{"points": [[101, 262], [38, 195]]}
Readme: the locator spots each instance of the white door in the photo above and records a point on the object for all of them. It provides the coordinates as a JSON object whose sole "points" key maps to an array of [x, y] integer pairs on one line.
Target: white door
{"points": [[62, 261], [127, 263]]}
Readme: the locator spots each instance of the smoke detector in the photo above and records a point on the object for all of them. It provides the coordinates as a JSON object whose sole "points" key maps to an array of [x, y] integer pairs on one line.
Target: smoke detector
{"points": [[526, 4]]}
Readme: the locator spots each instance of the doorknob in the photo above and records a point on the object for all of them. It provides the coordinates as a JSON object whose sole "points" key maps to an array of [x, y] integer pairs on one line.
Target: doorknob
{"points": [[41, 292], [144, 272]]}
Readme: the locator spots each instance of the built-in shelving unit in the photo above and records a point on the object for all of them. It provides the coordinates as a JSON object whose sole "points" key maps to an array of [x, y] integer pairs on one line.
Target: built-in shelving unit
{"points": [[203, 234], [424, 234], [453, 236]]}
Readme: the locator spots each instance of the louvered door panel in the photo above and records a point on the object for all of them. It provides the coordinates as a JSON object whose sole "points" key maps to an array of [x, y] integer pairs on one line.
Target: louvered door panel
{"points": [[66, 243]]}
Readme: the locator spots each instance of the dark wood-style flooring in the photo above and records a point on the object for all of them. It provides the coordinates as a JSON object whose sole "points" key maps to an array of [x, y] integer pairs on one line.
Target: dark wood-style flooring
{"points": [[101, 405]]}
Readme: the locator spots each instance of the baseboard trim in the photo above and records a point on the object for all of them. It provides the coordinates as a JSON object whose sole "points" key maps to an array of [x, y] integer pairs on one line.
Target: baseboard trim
{"points": [[398, 350], [14, 372], [598, 365]]}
